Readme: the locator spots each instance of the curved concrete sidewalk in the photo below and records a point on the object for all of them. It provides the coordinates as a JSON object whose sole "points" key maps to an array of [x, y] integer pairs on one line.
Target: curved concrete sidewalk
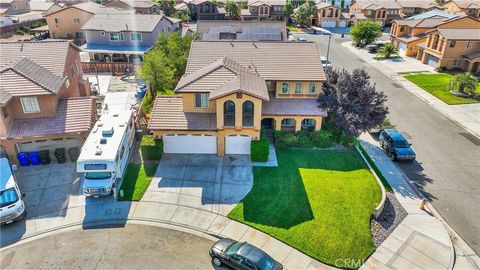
{"points": [[420, 241]]}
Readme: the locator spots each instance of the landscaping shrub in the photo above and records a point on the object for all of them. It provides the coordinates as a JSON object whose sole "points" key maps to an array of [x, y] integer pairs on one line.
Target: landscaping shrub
{"points": [[286, 139], [259, 150], [322, 139], [151, 148], [304, 139]]}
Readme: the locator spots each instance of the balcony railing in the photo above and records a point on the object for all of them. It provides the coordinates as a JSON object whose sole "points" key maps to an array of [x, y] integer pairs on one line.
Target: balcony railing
{"points": [[247, 120], [229, 120]]}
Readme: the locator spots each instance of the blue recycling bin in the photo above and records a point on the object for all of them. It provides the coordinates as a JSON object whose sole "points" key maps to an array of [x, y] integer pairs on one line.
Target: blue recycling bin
{"points": [[34, 158], [23, 159]]}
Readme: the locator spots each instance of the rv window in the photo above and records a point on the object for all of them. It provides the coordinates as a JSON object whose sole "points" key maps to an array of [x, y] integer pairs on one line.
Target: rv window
{"points": [[122, 152], [92, 167], [98, 175], [8, 197], [130, 124]]}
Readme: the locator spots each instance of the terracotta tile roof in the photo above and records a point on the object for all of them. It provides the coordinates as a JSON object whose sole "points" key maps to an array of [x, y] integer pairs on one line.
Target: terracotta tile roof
{"points": [[472, 55], [408, 39], [290, 106], [460, 34], [73, 115], [249, 84], [296, 61], [168, 114]]}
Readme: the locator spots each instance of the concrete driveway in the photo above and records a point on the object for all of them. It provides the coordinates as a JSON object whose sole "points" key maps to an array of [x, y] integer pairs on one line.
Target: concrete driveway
{"points": [[206, 182]]}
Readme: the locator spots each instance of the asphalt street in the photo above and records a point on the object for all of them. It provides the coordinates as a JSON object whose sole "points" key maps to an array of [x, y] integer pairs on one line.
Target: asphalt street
{"points": [[447, 169], [130, 247]]}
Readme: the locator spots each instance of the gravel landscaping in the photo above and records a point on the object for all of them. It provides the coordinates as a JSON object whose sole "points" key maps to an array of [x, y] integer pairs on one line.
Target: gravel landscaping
{"points": [[392, 215]]}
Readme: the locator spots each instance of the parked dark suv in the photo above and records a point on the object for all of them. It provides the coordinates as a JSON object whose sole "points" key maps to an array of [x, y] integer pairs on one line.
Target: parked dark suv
{"points": [[241, 255], [396, 146]]}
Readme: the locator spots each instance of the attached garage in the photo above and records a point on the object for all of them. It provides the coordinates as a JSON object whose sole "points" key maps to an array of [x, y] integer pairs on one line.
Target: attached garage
{"points": [[49, 145], [342, 23], [189, 144], [237, 145], [402, 49], [328, 24], [432, 61]]}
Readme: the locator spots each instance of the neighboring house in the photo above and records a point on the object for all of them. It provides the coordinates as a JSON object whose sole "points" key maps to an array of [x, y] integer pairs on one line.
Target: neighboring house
{"points": [[45, 7], [264, 10], [45, 102], [242, 30], [329, 15], [203, 9], [13, 7], [469, 7], [453, 48], [140, 6], [67, 22], [406, 34], [232, 89], [385, 11], [111, 41]]}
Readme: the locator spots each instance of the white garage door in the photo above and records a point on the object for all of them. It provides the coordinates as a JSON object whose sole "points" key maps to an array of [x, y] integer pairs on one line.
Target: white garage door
{"points": [[402, 48], [342, 24], [432, 61], [328, 24], [190, 144], [237, 145], [49, 145]]}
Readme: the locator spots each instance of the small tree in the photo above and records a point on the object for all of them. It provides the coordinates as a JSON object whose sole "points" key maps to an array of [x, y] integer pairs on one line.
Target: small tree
{"points": [[233, 10], [352, 102], [388, 50], [464, 82], [167, 6], [304, 12], [365, 32], [183, 15], [288, 9]]}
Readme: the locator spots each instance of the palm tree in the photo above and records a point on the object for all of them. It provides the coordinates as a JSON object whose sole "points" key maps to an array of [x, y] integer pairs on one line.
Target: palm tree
{"points": [[388, 50], [463, 82]]}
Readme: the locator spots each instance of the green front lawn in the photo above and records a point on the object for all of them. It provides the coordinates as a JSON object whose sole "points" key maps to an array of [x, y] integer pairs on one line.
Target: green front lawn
{"points": [[136, 181], [437, 85], [319, 202], [151, 148]]}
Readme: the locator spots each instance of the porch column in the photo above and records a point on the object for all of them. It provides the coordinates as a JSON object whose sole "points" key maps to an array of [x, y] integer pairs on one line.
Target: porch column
{"points": [[470, 66], [318, 123], [220, 145], [111, 57], [278, 123], [298, 124], [128, 57]]}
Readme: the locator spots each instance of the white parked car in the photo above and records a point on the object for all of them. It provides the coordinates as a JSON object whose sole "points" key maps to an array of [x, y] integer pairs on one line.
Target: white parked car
{"points": [[325, 63], [12, 207], [302, 39], [321, 31]]}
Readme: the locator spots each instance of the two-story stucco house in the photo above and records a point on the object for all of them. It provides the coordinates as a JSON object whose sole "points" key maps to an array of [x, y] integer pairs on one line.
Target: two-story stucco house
{"points": [[12, 7], [120, 38], [140, 6], [45, 102], [329, 15], [232, 88], [469, 7], [264, 10], [67, 22], [203, 9]]}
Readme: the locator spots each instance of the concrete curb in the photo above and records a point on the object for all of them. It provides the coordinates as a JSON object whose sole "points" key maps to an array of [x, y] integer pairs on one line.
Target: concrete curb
{"points": [[381, 204]]}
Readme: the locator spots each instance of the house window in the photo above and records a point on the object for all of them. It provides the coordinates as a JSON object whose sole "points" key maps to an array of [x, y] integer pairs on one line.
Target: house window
{"points": [[102, 34], [369, 12], [312, 88], [452, 43], [469, 44], [14, 5], [288, 122], [457, 62], [57, 20], [247, 115], [116, 36], [76, 21], [229, 113], [201, 100], [285, 88], [135, 36], [30, 104], [298, 88]]}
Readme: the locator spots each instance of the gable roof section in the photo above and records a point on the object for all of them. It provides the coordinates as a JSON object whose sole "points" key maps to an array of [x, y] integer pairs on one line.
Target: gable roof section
{"points": [[139, 3], [93, 8], [243, 83], [275, 61], [458, 34], [466, 3], [114, 22]]}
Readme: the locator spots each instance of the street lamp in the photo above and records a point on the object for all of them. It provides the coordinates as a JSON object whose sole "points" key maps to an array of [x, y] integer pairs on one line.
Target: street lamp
{"points": [[328, 48]]}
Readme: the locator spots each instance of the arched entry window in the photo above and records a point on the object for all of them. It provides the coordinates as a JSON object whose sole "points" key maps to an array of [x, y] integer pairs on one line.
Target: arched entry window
{"points": [[308, 124], [247, 112], [229, 113]]}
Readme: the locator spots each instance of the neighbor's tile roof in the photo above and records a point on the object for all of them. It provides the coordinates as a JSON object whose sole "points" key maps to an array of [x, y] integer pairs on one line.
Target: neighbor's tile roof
{"points": [[408, 39], [114, 22], [245, 30], [168, 114], [139, 3], [73, 115], [468, 3], [287, 106], [458, 34], [271, 60], [472, 55]]}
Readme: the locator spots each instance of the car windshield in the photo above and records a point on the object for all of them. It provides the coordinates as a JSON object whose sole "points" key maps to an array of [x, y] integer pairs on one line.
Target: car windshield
{"points": [[233, 248], [8, 197], [266, 263], [401, 144], [98, 175]]}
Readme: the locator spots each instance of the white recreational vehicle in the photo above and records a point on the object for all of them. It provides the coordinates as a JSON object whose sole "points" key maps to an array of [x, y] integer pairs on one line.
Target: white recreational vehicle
{"points": [[104, 155], [12, 207]]}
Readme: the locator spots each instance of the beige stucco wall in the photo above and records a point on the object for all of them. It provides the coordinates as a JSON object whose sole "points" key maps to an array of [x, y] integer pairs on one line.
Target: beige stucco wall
{"points": [[66, 28], [257, 110], [189, 104], [292, 94]]}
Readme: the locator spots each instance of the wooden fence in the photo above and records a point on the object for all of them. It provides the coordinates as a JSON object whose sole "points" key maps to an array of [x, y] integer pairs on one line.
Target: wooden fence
{"points": [[117, 67]]}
